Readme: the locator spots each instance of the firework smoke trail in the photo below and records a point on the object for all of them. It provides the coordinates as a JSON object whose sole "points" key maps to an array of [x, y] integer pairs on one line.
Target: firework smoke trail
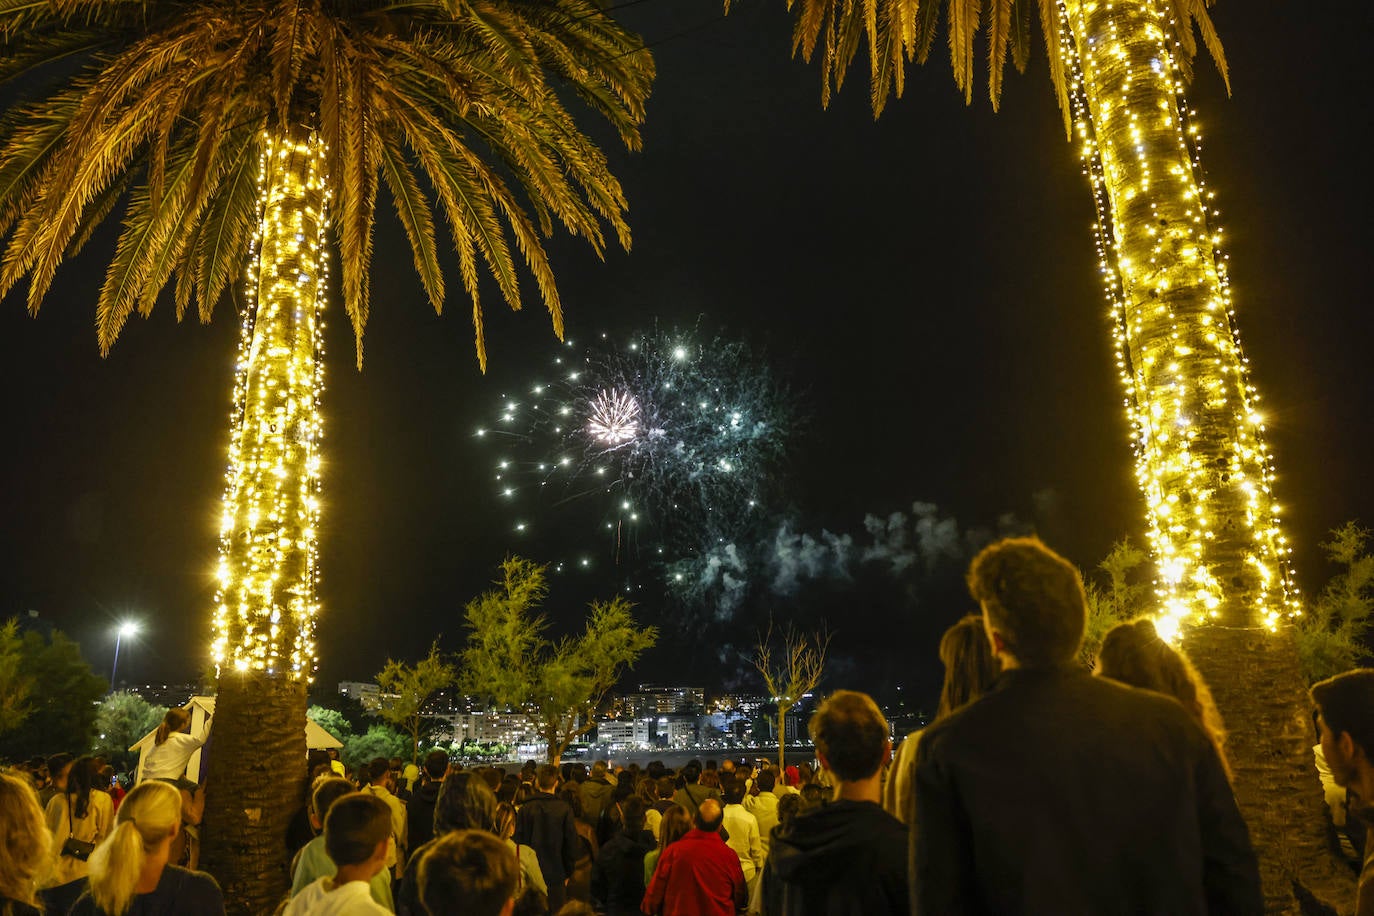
{"points": [[680, 440]]}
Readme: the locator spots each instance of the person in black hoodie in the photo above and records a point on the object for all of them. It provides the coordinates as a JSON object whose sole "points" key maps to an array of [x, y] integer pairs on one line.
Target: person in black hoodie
{"points": [[847, 857], [420, 808], [618, 872], [546, 824]]}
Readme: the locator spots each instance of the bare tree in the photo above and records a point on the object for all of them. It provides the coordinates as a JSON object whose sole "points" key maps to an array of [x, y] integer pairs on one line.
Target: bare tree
{"points": [[791, 668]]}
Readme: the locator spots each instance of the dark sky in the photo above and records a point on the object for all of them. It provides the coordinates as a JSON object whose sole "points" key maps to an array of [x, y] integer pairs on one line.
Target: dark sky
{"points": [[928, 283]]}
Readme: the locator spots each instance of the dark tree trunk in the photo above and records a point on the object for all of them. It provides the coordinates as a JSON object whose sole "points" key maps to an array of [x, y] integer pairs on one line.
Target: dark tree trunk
{"points": [[1258, 685], [256, 782]]}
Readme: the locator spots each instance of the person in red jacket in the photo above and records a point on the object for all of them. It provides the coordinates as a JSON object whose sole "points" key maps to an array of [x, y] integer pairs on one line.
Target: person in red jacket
{"points": [[698, 875]]}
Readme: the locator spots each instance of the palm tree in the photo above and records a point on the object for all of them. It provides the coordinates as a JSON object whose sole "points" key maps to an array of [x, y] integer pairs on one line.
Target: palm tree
{"points": [[1118, 71], [248, 138]]}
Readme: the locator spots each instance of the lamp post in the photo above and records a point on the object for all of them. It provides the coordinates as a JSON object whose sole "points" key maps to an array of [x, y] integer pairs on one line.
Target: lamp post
{"points": [[128, 628]]}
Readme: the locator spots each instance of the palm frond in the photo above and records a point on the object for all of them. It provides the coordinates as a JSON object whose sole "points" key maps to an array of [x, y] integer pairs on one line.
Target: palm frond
{"points": [[416, 218]]}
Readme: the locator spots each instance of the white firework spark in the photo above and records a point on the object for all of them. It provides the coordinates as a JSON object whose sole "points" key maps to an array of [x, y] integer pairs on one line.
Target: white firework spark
{"points": [[614, 417]]}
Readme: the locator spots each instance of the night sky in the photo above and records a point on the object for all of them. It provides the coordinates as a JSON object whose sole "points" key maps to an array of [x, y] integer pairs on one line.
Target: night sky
{"points": [[926, 284]]}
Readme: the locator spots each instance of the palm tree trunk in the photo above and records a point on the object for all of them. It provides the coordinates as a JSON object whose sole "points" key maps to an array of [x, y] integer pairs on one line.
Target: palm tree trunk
{"points": [[1201, 461], [266, 604]]}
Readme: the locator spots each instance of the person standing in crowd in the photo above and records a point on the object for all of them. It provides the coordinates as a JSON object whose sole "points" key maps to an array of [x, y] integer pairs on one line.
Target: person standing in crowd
{"points": [[546, 824], [596, 794], [313, 862], [59, 766], [764, 807], [420, 808], [79, 817], [1039, 798], [532, 884], [378, 775], [970, 670], [1132, 653], [742, 832], [647, 790], [674, 826], [357, 835], [467, 873], [848, 856], [1345, 721], [617, 885], [172, 747], [24, 841], [698, 875], [692, 793], [579, 882], [129, 870]]}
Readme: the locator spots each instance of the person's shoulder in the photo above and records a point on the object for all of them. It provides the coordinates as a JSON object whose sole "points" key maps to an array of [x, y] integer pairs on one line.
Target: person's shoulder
{"points": [[194, 882]]}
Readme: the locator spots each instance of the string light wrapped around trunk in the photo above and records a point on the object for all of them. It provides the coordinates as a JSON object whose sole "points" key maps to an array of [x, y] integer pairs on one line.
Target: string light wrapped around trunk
{"points": [[1201, 459], [266, 603]]}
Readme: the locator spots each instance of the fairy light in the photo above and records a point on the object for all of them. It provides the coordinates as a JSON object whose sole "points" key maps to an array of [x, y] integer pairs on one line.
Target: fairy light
{"points": [[1201, 460], [266, 604]]}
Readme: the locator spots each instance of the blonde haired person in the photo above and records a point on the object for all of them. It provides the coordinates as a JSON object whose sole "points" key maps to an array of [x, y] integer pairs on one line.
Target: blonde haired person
{"points": [[24, 840], [129, 871], [78, 813]]}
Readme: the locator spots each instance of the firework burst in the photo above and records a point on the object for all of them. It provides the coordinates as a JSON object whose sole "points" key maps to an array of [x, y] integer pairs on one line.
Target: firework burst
{"points": [[677, 441]]}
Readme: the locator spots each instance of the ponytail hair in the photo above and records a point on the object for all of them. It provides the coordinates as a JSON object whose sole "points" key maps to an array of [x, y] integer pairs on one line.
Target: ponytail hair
{"points": [[147, 816], [174, 721]]}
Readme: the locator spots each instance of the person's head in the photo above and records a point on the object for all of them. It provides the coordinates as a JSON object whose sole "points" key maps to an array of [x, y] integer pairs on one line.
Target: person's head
{"points": [[632, 814], [805, 773], [674, 826], [174, 721], [850, 735], [745, 771], [655, 769], [376, 771], [970, 667], [599, 770], [667, 787], [324, 792], [793, 776], [1034, 608], [709, 816], [573, 798], [733, 789], [436, 765], [81, 779], [465, 802], [316, 757], [58, 767], [468, 873], [1345, 718], [766, 780], [727, 767], [505, 792], [396, 765], [647, 790], [24, 840], [546, 778], [147, 820], [691, 772], [789, 806], [505, 820], [712, 765], [357, 830], [710, 779], [1132, 653]]}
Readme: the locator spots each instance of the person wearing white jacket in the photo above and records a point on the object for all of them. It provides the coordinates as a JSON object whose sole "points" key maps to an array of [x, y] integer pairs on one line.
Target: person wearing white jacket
{"points": [[743, 829]]}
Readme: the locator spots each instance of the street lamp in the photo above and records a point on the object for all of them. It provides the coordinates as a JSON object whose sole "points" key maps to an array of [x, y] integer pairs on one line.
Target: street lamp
{"points": [[127, 628]]}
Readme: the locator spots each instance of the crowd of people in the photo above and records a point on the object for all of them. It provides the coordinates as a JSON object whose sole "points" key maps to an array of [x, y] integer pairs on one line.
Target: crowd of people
{"points": [[1039, 787]]}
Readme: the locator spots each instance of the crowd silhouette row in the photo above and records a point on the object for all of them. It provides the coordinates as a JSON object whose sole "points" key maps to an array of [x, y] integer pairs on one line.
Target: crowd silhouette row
{"points": [[1039, 787]]}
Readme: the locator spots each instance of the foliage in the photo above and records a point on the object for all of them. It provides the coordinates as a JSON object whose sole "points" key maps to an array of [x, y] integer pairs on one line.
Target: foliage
{"points": [[1332, 634], [332, 721], [378, 741], [791, 669], [1121, 597], [122, 719], [560, 684], [899, 31], [447, 104], [15, 686], [405, 689], [62, 702]]}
